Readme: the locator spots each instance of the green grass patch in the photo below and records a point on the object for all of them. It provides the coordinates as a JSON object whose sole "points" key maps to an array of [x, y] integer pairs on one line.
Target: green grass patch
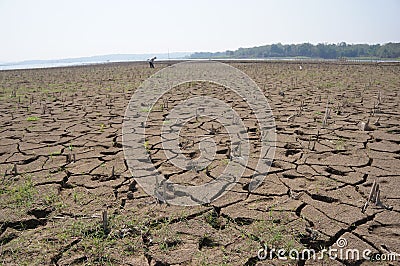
{"points": [[145, 110], [21, 194], [32, 118]]}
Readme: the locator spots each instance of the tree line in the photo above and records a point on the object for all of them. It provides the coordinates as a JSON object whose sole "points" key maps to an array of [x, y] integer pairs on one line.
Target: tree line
{"points": [[321, 50]]}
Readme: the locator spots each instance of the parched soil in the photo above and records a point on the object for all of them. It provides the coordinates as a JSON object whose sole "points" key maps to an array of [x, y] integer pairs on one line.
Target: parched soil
{"points": [[62, 167]]}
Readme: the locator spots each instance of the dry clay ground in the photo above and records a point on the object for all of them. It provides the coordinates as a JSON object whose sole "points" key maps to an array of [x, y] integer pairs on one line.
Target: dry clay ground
{"points": [[62, 165]]}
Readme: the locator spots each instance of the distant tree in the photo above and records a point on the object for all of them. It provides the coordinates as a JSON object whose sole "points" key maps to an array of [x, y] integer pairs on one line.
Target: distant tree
{"points": [[276, 50], [321, 50], [305, 49], [229, 53]]}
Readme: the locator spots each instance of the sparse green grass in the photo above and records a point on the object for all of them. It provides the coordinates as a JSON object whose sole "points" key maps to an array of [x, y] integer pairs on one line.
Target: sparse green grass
{"points": [[94, 241], [55, 153], [75, 196], [102, 127], [340, 144], [32, 118], [146, 110], [50, 199], [212, 219], [21, 195], [99, 246], [147, 146], [225, 161]]}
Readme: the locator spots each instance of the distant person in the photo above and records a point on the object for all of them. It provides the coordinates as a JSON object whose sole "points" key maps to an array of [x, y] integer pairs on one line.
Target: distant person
{"points": [[151, 62]]}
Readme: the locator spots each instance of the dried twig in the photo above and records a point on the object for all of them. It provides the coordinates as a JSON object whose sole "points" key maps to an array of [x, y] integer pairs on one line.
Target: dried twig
{"points": [[291, 117], [365, 126], [327, 112], [374, 198], [105, 222], [316, 140], [14, 170], [377, 122]]}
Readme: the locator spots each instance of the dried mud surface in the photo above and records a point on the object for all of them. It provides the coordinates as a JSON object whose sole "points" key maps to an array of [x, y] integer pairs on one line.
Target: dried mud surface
{"points": [[62, 165]]}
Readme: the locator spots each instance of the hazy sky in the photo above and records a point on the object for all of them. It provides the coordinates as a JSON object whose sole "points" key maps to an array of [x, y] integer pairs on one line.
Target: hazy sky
{"points": [[50, 29]]}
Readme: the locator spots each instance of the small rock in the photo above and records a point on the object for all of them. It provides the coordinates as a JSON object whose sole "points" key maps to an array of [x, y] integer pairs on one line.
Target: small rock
{"points": [[130, 195], [132, 186]]}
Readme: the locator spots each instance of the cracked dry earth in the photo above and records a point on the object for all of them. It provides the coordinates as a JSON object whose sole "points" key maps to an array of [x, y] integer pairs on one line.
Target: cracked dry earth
{"points": [[62, 165]]}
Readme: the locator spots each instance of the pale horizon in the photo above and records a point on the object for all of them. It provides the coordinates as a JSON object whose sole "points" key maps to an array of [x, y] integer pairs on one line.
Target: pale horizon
{"points": [[45, 30]]}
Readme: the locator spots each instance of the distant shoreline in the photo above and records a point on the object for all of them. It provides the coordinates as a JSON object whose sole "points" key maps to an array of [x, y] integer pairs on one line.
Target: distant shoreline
{"points": [[18, 66]]}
